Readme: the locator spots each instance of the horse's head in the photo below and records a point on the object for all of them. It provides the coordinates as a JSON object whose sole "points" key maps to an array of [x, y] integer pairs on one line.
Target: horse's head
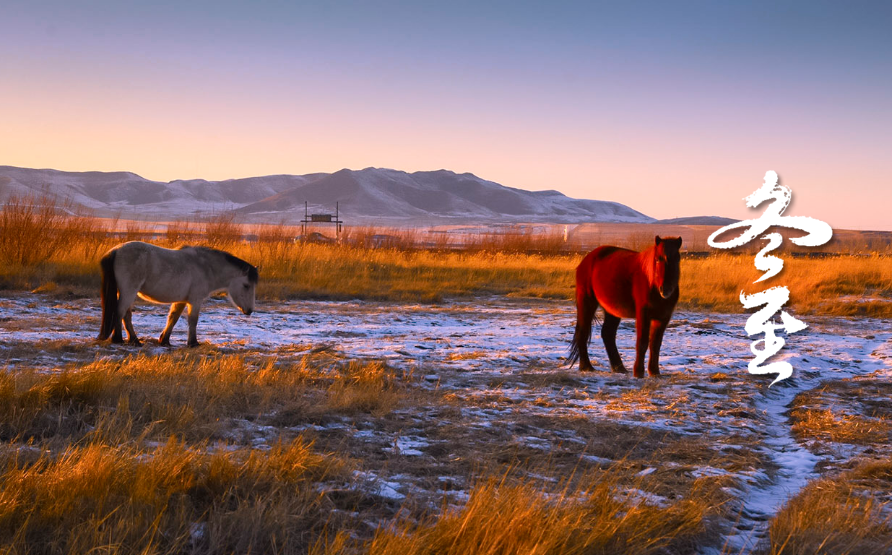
{"points": [[242, 289], [666, 262]]}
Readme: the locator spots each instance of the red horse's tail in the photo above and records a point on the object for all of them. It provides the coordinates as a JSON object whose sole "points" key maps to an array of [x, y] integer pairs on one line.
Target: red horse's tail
{"points": [[582, 335], [586, 304], [109, 295]]}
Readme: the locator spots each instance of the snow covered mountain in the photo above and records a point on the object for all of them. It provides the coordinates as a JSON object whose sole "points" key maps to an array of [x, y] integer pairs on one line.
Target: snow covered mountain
{"points": [[372, 195]]}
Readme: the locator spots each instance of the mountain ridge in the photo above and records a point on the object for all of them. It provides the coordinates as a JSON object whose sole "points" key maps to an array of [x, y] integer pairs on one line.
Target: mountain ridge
{"points": [[373, 194]]}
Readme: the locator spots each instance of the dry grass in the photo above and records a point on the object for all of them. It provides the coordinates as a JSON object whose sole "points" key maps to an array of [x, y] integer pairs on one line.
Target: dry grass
{"points": [[519, 239], [222, 231], [842, 286], [598, 515], [181, 232], [836, 426], [173, 499], [190, 396], [844, 411], [34, 230], [850, 514], [346, 272], [406, 265], [83, 470]]}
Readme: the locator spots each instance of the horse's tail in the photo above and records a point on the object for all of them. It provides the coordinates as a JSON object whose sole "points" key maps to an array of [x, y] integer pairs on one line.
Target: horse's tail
{"points": [[583, 332], [109, 295], [586, 304]]}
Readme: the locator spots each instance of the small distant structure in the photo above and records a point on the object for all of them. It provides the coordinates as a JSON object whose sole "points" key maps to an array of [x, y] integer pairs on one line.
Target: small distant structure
{"points": [[321, 219]]}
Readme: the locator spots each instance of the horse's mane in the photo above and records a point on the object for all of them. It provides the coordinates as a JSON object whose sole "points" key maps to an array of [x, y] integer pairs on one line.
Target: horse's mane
{"points": [[647, 261], [246, 267]]}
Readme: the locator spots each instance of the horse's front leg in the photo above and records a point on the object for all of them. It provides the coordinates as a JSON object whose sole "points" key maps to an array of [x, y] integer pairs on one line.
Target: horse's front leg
{"points": [[194, 309], [658, 327], [642, 327], [172, 317]]}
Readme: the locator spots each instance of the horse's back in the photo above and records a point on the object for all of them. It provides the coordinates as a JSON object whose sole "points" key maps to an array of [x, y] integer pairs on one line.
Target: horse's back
{"points": [[159, 274], [609, 274], [607, 258]]}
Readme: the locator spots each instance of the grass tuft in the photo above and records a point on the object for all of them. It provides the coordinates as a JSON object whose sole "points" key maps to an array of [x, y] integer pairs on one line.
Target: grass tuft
{"points": [[598, 517], [168, 500], [837, 516]]}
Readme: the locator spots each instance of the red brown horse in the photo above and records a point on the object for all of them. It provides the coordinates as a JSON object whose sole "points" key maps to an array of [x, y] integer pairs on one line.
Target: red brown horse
{"points": [[627, 284]]}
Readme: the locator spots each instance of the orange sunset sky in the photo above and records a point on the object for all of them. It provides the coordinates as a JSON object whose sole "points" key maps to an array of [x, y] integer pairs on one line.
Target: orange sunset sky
{"points": [[674, 109]]}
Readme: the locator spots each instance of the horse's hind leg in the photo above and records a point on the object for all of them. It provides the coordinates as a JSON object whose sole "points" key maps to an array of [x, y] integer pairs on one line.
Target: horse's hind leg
{"points": [[128, 323], [194, 309], [585, 313], [118, 334], [172, 317], [608, 334], [125, 301]]}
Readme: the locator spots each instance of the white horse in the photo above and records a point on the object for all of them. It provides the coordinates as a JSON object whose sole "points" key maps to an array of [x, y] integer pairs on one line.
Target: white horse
{"points": [[183, 277]]}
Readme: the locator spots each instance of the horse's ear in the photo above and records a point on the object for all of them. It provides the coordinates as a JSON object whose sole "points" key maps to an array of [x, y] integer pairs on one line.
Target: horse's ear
{"points": [[657, 241], [679, 242]]}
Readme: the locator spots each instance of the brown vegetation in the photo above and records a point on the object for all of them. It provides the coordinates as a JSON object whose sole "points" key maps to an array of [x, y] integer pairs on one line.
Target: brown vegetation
{"points": [[595, 518], [838, 516], [171, 499], [219, 453], [204, 452], [854, 412], [42, 244], [184, 395]]}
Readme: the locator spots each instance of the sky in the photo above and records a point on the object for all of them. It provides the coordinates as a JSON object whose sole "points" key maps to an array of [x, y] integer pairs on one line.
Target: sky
{"points": [[672, 108]]}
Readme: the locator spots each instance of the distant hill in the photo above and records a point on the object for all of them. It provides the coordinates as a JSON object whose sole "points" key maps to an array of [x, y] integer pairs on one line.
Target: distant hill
{"points": [[699, 220], [369, 195]]}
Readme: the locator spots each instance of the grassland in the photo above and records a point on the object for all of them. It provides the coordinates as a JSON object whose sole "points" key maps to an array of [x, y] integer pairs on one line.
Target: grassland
{"points": [[43, 250], [204, 452], [849, 423], [299, 449]]}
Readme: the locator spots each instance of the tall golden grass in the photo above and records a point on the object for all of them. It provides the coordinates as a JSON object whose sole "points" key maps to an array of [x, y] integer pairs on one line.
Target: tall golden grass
{"points": [[100, 498], [41, 246], [188, 396], [132, 456], [597, 515], [34, 230], [837, 516]]}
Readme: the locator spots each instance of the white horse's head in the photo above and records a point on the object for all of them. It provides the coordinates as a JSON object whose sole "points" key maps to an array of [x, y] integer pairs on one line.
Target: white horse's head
{"points": [[242, 290]]}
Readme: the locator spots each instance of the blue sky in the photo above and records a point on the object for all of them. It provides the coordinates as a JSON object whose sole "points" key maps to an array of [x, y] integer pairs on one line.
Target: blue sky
{"points": [[671, 108]]}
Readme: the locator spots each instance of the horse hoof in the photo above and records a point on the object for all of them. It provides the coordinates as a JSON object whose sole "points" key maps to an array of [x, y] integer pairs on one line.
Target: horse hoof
{"points": [[195, 344], [586, 368], [135, 343], [619, 369], [639, 375]]}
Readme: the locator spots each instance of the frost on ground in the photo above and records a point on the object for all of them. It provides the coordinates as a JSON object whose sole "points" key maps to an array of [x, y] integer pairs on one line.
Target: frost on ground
{"points": [[504, 396]]}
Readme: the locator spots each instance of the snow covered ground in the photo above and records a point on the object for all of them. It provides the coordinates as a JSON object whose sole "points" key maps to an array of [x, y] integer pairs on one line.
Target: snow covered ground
{"points": [[503, 362]]}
